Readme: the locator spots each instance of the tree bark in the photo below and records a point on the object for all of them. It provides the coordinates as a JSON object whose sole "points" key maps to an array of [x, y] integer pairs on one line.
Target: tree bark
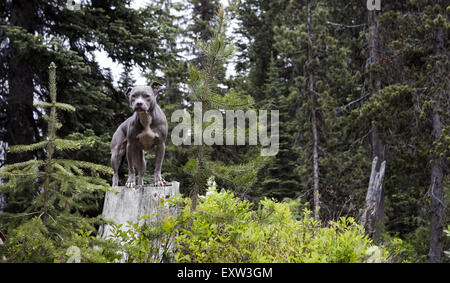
{"points": [[128, 204], [197, 177], [376, 142], [372, 206], [437, 205], [313, 121], [20, 125], [435, 252]]}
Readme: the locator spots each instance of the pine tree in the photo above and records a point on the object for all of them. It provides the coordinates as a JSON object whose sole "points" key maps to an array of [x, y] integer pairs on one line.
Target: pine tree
{"points": [[337, 85], [203, 88], [279, 178], [201, 27], [256, 40], [62, 187]]}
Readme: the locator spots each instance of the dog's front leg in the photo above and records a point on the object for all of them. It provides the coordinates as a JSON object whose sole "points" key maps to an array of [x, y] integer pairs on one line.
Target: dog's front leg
{"points": [[131, 158], [160, 150], [140, 165]]}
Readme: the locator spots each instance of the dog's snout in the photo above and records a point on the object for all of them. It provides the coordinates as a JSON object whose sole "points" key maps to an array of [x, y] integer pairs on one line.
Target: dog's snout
{"points": [[140, 105]]}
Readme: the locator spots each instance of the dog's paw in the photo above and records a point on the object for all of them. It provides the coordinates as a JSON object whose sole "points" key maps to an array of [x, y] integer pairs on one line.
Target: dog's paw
{"points": [[160, 183], [130, 185]]}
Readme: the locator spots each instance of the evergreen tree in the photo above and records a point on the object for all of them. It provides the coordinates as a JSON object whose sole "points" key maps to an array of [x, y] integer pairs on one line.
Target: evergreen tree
{"points": [[335, 84], [440, 98], [278, 178], [203, 89], [201, 27], [63, 187], [257, 19], [126, 79], [406, 110]]}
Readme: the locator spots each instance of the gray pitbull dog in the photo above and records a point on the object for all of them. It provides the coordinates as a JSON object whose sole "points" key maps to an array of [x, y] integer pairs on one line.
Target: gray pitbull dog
{"points": [[146, 129]]}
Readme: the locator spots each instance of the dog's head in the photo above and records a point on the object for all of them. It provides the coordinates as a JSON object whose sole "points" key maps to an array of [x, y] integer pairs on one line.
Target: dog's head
{"points": [[143, 98]]}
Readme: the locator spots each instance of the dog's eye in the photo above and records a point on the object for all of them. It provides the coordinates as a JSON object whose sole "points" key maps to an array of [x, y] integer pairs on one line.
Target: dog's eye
{"points": [[146, 96]]}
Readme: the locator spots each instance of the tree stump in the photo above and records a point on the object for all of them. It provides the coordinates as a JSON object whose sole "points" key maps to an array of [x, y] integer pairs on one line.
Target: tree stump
{"points": [[130, 204], [371, 209]]}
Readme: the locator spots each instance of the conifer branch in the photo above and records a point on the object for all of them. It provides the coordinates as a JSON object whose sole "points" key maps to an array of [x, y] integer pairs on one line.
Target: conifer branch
{"points": [[62, 106], [29, 147], [212, 100], [345, 26]]}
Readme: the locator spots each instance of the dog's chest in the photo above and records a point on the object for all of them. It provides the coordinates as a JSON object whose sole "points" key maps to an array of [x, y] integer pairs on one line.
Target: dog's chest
{"points": [[147, 138]]}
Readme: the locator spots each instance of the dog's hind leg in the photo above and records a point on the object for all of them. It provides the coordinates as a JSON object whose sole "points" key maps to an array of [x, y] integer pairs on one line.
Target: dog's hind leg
{"points": [[116, 159], [118, 149]]}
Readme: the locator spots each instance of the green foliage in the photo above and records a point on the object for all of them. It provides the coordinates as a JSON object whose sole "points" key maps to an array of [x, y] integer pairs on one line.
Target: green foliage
{"points": [[203, 88], [28, 242], [202, 81], [413, 80], [239, 178], [34, 242], [409, 249], [225, 229], [64, 189], [151, 239]]}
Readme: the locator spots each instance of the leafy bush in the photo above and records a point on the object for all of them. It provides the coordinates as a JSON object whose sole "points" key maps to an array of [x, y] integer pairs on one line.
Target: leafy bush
{"points": [[148, 240], [411, 248], [223, 228], [35, 242]]}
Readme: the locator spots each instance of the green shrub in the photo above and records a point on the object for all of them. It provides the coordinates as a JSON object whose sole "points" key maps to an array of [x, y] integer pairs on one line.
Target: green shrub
{"points": [[34, 242], [224, 229], [142, 243]]}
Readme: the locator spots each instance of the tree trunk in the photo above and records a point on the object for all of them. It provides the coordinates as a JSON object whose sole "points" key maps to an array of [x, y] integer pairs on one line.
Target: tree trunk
{"points": [[20, 125], [372, 206], [129, 204], [313, 121], [437, 170], [376, 142], [197, 178], [437, 206]]}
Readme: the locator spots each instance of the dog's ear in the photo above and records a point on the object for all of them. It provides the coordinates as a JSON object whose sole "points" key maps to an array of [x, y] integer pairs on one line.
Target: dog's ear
{"points": [[155, 86], [128, 91]]}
